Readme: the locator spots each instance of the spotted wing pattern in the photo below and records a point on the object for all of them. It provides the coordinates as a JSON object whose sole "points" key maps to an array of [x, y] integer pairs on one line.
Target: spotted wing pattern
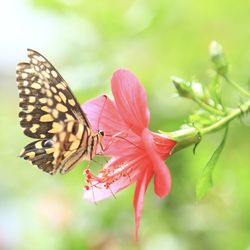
{"points": [[48, 110], [41, 154], [62, 152], [71, 145], [45, 98]]}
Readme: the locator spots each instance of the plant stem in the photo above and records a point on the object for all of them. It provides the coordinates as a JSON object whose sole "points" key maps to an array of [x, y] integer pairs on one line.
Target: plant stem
{"points": [[190, 136], [237, 86], [209, 108]]}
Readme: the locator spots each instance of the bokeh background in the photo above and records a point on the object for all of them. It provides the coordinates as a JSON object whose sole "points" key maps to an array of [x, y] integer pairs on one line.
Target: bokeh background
{"points": [[87, 41]]}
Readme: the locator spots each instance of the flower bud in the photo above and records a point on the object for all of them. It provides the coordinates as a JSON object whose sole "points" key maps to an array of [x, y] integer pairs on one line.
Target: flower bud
{"points": [[197, 89], [218, 58], [183, 87]]}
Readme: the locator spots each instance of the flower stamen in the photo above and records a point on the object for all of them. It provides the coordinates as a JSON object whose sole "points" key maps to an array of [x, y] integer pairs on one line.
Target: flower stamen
{"points": [[107, 176]]}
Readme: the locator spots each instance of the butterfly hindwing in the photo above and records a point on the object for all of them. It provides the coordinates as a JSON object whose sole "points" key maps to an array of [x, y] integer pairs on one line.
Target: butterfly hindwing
{"points": [[62, 152], [41, 154]]}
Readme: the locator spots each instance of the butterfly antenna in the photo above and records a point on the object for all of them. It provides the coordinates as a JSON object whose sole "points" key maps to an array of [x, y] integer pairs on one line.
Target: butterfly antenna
{"points": [[97, 162], [101, 154], [120, 137], [116, 135], [99, 117]]}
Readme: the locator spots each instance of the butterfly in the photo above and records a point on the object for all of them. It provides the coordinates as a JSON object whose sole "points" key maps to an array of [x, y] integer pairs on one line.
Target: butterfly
{"points": [[51, 114]]}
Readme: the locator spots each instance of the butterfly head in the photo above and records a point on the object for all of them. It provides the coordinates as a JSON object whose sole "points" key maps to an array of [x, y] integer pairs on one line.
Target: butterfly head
{"points": [[100, 133]]}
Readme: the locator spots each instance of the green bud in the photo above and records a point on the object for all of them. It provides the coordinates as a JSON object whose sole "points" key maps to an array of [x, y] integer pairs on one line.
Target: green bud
{"points": [[198, 90], [183, 87], [218, 58]]}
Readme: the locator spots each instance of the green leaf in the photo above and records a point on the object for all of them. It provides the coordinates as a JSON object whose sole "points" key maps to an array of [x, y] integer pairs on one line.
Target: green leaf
{"points": [[206, 180]]}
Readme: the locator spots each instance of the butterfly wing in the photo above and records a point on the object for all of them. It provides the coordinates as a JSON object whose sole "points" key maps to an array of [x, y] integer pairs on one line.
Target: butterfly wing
{"points": [[41, 153], [47, 105], [71, 145], [62, 152], [45, 98]]}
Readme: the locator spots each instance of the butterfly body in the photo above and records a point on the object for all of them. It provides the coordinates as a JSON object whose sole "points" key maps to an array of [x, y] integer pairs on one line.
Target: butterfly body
{"points": [[51, 114]]}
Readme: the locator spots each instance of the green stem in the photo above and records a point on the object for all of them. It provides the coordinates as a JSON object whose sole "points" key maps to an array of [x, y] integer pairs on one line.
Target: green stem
{"points": [[209, 108], [237, 86], [190, 136]]}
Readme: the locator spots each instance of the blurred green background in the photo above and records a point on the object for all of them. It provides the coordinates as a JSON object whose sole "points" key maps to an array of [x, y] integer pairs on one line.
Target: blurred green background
{"points": [[87, 41]]}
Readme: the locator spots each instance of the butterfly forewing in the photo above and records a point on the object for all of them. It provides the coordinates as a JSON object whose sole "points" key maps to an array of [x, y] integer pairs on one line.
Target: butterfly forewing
{"points": [[50, 113], [58, 86], [35, 103]]}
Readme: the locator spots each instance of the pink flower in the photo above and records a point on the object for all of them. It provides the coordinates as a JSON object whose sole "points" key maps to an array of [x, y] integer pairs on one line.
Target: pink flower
{"points": [[137, 153]]}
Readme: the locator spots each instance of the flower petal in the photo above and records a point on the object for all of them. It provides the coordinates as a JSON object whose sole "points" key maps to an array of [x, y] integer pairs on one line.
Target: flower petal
{"points": [[103, 115], [163, 145], [162, 181], [131, 100], [141, 187]]}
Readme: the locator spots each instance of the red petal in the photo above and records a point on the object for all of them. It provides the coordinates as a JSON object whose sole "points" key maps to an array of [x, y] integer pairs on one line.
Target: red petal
{"points": [[163, 145], [131, 100], [162, 175], [103, 115], [141, 187], [162, 181]]}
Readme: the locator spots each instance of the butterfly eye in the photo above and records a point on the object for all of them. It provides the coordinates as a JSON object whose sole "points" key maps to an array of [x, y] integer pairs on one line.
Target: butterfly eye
{"points": [[101, 133]]}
